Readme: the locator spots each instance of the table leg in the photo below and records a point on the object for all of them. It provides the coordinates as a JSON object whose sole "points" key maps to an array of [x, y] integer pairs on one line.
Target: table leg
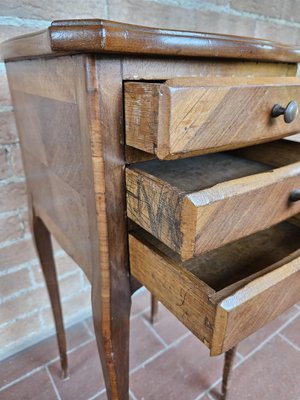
{"points": [[42, 240], [154, 309], [227, 371]]}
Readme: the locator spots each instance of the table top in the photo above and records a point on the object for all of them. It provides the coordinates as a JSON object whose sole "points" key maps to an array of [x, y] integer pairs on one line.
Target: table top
{"points": [[101, 36]]}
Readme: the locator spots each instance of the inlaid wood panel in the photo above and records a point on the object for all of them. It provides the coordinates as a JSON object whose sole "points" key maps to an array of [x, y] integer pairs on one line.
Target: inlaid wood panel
{"points": [[188, 116], [218, 295], [55, 148], [198, 204]]}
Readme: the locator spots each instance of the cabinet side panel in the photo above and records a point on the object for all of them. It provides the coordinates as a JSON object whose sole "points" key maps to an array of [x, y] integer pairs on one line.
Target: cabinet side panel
{"points": [[55, 148]]}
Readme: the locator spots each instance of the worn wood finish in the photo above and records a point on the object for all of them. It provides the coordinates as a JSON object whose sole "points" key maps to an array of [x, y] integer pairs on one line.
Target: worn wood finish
{"points": [[111, 292], [70, 119], [42, 241], [276, 154], [101, 36], [223, 289], [227, 371], [196, 205], [189, 116], [55, 149], [74, 166]]}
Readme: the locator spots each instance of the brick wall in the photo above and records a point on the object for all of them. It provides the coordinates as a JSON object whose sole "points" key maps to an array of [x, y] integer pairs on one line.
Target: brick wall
{"points": [[24, 307]]}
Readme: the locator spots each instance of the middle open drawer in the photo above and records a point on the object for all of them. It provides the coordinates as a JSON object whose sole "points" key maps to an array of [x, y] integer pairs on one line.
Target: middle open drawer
{"points": [[198, 204]]}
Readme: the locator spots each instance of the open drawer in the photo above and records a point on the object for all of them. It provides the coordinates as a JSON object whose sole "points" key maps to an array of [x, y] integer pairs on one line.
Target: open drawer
{"points": [[198, 204], [228, 293], [189, 116]]}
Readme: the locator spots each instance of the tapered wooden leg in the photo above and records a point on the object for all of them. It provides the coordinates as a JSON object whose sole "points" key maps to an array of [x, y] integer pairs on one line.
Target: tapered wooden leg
{"points": [[227, 371], [112, 335], [154, 309], [43, 245]]}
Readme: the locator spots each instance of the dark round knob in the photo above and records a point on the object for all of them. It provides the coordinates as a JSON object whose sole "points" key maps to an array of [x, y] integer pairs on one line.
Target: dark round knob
{"points": [[289, 112], [295, 195]]}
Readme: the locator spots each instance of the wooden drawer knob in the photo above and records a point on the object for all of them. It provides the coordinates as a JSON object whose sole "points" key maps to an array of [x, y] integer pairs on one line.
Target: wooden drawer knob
{"points": [[295, 195], [289, 112]]}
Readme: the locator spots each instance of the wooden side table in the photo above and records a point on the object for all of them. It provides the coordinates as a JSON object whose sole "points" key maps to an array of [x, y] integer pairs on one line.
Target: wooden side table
{"points": [[92, 97]]}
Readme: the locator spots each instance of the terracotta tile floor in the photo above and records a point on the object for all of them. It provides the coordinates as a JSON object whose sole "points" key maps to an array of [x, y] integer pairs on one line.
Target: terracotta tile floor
{"points": [[167, 363]]}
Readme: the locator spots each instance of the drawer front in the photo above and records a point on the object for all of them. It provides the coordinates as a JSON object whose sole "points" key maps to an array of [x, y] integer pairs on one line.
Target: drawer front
{"points": [[257, 302], [194, 223], [190, 116], [220, 319]]}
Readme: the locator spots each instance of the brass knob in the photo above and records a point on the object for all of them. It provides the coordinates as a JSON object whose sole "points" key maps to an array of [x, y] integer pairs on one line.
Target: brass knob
{"points": [[289, 112], [295, 195]]}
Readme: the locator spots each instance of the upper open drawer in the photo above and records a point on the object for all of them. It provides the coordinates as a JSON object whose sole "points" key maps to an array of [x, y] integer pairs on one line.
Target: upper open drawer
{"points": [[187, 116]]}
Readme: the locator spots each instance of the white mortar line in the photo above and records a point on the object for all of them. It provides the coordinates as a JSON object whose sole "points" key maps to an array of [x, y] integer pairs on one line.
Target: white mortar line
{"points": [[156, 334], [24, 22], [156, 355], [225, 9], [245, 358], [53, 384], [289, 342]]}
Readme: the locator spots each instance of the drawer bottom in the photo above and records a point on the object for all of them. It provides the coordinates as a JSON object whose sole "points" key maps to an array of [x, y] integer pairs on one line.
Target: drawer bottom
{"points": [[228, 293]]}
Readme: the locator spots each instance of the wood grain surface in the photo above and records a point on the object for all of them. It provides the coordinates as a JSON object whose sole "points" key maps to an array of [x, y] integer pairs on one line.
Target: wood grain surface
{"points": [[189, 116], [195, 205], [101, 36], [223, 289]]}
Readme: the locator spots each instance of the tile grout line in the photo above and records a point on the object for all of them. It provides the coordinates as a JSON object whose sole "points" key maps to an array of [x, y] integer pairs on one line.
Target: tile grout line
{"points": [[159, 353], [156, 334], [45, 365], [86, 325], [132, 395], [97, 394], [53, 384], [288, 341], [21, 378], [259, 347]]}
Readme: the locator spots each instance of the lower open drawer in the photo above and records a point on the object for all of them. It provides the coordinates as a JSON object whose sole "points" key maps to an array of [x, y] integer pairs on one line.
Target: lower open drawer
{"points": [[228, 293]]}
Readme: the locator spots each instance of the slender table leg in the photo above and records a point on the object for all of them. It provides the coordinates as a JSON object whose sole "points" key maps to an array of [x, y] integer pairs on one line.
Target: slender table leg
{"points": [[227, 371], [154, 309], [43, 245]]}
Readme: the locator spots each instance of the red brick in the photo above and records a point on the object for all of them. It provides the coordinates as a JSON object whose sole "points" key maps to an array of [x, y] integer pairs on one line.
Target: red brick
{"points": [[35, 387], [16, 254], [23, 304], [8, 130], [16, 161], [262, 7], [13, 196], [272, 31], [5, 171], [54, 9], [161, 15], [64, 265], [14, 336], [5, 99], [14, 282], [10, 228], [9, 31]]}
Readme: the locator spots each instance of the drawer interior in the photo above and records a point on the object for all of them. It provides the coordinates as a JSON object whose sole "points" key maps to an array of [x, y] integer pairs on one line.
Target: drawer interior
{"points": [[239, 260], [190, 175], [228, 293], [198, 204]]}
